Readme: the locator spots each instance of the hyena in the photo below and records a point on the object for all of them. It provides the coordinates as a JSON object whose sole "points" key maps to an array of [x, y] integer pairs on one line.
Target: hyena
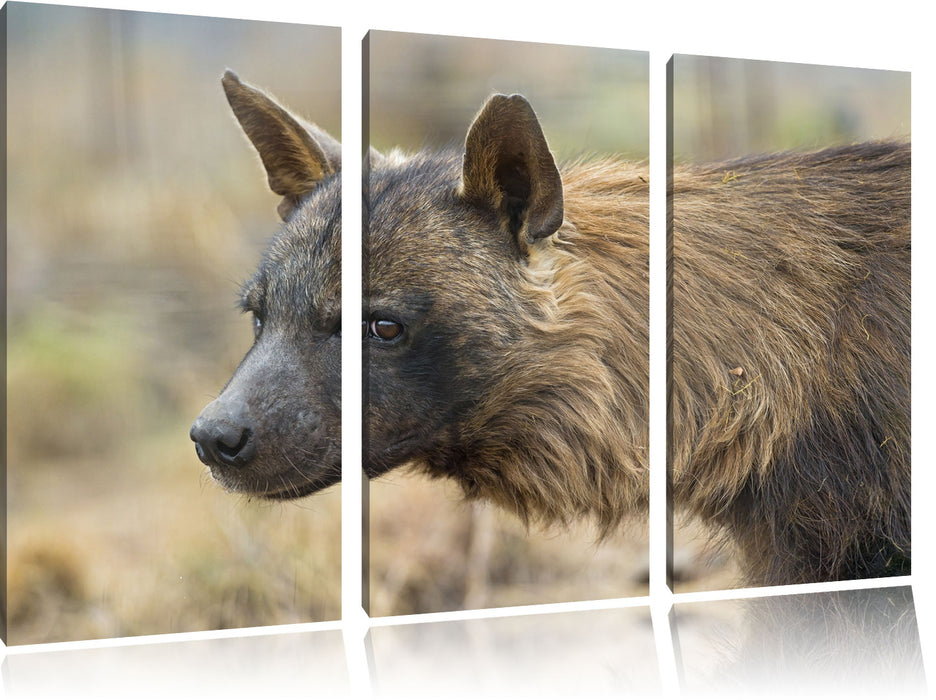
{"points": [[505, 335]]}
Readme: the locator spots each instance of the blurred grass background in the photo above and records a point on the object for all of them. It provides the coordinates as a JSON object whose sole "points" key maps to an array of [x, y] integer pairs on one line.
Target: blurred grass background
{"points": [[425, 90], [727, 108], [135, 209], [429, 550]]}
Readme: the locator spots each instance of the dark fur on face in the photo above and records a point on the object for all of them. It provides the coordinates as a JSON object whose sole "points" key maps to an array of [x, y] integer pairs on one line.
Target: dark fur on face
{"points": [[275, 429]]}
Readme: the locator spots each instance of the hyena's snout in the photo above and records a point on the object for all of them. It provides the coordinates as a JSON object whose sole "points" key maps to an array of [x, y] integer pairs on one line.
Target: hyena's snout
{"points": [[224, 434], [271, 433]]}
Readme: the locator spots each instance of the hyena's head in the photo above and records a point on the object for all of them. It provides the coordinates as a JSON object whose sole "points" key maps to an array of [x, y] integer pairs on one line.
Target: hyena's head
{"points": [[275, 429], [454, 241]]}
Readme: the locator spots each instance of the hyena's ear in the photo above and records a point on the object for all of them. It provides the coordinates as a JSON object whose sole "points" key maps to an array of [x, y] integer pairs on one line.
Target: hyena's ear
{"points": [[508, 167], [297, 155]]}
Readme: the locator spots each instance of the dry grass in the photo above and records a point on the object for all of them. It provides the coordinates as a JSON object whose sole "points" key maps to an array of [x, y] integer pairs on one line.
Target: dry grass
{"points": [[431, 551], [88, 560]]}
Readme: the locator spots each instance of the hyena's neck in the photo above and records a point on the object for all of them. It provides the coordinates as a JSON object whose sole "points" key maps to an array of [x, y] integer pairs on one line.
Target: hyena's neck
{"points": [[562, 431]]}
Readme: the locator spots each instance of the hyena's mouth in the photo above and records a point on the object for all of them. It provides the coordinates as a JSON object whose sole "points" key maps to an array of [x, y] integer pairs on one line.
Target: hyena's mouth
{"points": [[278, 487], [304, 489]]}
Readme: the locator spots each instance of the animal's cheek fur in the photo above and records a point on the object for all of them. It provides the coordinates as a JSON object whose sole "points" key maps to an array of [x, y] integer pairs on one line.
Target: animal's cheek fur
{"points": [[414, 394]]}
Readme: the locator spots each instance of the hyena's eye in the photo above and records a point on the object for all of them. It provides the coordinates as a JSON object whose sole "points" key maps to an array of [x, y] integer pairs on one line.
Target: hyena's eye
{"points": [[257, 326], [383, 329]]}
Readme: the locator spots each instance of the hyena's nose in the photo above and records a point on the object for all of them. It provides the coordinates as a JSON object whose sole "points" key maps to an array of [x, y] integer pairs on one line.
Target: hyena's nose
{"points": [[222, 437]]}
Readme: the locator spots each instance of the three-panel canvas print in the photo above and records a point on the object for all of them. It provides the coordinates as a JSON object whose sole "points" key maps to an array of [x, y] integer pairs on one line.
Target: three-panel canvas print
{"points": [[174, 325]]}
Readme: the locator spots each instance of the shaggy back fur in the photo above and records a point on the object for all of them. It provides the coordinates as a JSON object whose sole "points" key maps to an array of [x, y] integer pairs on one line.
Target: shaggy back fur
{"points": [[790, 358]]}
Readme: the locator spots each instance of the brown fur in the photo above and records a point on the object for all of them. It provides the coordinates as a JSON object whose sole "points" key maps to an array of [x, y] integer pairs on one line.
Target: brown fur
{"points": [[789, 347], [573, 390], [795, 268], [523, 371]]}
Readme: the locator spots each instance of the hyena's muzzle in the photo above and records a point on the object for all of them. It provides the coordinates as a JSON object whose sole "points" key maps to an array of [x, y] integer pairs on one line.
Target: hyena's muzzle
{"points": [[273, 431]]}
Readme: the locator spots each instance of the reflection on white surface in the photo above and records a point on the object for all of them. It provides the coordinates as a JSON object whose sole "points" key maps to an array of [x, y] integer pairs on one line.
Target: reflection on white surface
{"points": [[856, 642], [851, 643], [571, 654], [298, 664]]}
